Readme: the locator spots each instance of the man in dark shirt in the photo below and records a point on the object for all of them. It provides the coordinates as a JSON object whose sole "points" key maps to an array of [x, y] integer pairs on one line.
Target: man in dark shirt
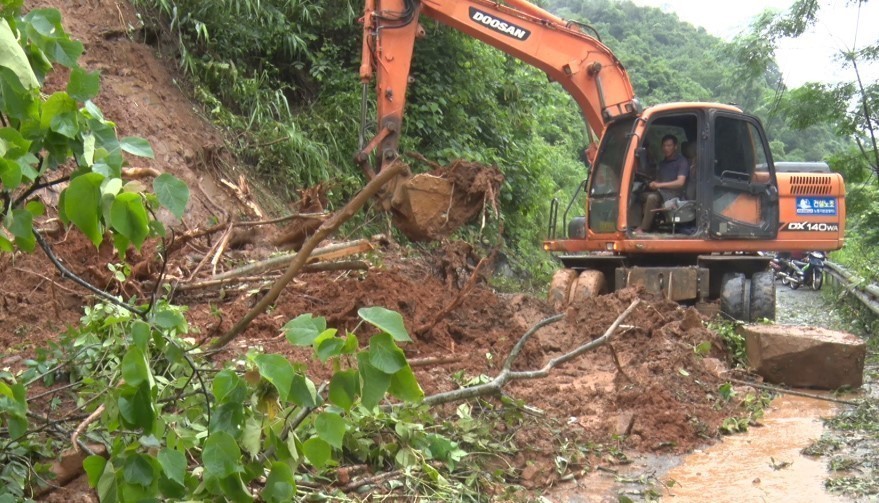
{"points": [[671, 178]]}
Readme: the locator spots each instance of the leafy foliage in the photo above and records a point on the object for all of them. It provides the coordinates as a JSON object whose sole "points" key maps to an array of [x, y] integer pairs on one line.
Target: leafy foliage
{"points": [[43, 133], [177, 429]]}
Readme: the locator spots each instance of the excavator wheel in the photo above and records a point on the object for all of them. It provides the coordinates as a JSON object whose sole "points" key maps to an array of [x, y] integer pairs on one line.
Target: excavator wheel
{"points": [[762, 296], [733, 292], [590, 283]]}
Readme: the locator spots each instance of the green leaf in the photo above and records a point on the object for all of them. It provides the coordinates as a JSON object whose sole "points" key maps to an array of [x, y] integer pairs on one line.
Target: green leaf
{"points": [[22, 224], [280, 486], [227, 417], [172, 193], [221, 456], [136, 407], [139, 147], [140, 334], [138, 470], [94, 468], [404, 385], [277, 370], [108, 488], [56, 105], [35, 208], [66, 124], [46, 32], [251, 437], [385, 355], [173, 465], [344, 388], [228, 387], [12, 56], [6, 245], [82, 201], [83, 85], [10, 174], [304, 329], [387, 320], [129, 218], [93, 110], [328, 345], [330, 428], [317, 451], [375, 382], [170, 319], [135, 369], [303, 392]]}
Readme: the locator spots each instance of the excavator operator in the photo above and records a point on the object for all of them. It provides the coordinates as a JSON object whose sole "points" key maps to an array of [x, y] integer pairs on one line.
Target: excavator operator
{"points": [[671, 178]]}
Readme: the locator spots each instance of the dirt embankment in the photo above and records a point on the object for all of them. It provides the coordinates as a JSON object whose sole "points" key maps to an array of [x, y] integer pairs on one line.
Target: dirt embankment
{"points": [[649, 385]]}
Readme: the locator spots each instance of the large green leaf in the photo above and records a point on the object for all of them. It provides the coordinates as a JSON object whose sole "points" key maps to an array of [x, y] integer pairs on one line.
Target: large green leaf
{"points": [[22, 225], [94, 468], [227, 417], [344, 388], [277, 370], [56, 105], [221, 456], [136, 407], [129, 218], [18, 102], [375, 382], [385, 355], [10, 174], [228, 387], [317, 451], [135, 369], [404, 385], [280, 486], [82, 201], [83, 85], [137, 146], [304, 329], [12, 56], [172, 193], [303, 392], [387, 320], [45, 31], [173, 465], [328, 345], [330, 428], [138, 470]]}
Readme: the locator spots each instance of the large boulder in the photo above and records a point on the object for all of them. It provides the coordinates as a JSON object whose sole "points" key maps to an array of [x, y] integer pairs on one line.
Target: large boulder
{"points": [[805, 357]]}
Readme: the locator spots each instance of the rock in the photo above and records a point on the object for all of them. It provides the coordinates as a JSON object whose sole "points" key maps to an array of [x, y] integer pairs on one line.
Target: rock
{"points": [[806, 357], [691, 320]]}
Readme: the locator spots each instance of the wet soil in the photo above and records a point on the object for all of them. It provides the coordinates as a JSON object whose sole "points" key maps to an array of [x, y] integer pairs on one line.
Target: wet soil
{"points": [[648, 391]]}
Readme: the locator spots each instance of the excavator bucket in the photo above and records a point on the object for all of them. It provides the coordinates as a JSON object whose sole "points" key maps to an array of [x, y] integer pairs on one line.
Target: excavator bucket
{"points": [[430, 206]]}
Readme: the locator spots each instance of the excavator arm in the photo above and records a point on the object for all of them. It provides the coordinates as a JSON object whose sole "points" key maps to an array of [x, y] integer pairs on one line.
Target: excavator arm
{"points": [[584, 66]]}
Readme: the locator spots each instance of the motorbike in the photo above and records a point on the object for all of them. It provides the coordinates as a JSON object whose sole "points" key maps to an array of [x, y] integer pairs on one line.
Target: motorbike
{"points": [[796, 273]]}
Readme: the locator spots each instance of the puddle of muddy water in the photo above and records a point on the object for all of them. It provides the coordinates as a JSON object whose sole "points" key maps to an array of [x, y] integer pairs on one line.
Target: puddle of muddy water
{"points": [[763, 465]]}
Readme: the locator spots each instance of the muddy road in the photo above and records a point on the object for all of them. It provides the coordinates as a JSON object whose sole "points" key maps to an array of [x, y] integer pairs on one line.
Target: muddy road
{"points": [[765, 464]]}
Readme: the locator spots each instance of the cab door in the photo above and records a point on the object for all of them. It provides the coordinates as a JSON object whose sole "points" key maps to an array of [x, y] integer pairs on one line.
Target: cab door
{"points": [[743, 187]]}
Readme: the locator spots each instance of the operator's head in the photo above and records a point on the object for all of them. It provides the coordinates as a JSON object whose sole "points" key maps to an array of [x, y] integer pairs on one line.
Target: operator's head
{"points": [[669, 145]]}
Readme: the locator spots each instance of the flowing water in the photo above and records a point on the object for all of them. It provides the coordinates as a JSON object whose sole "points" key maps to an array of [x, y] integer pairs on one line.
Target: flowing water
{"points": [[763, 465]]}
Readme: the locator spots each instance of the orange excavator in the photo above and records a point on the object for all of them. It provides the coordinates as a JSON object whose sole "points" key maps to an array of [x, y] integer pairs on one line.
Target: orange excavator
{"points": [[703, 245]]}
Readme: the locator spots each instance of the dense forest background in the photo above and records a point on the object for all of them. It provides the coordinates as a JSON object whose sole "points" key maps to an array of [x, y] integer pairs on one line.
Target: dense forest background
{"points": [[282, 76]]}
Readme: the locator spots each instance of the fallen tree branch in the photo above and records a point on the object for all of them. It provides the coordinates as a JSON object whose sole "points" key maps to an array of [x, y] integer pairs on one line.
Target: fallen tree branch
{"points": [[784, 391], [324, 253], [300, 259], [348, 265], [83, 425], [495, 386], [459, 299], [432, 360]]}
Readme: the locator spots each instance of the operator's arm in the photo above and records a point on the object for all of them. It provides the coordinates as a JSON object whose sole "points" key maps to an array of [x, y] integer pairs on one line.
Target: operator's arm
{"points": [[677, 183]]}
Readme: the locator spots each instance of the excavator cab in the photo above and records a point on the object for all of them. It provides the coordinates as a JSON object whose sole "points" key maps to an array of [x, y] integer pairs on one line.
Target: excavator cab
{"points": [[730, 192]]}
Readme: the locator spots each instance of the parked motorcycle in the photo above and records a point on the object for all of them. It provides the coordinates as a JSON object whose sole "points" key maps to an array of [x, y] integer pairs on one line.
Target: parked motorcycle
{"points": [[795, 273]]}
